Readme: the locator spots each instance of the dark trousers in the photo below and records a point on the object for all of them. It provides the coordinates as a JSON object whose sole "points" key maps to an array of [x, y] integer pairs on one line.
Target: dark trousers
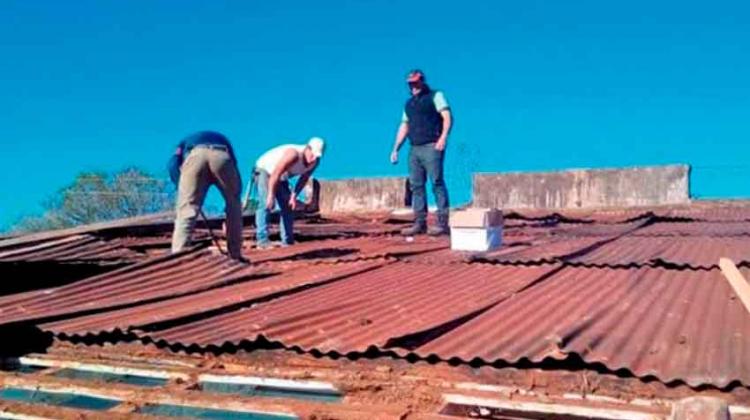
{"points": [[424, 162]]}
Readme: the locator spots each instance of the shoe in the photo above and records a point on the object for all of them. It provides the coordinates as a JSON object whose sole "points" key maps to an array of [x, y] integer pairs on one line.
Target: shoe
{"points": [[439, 230], [264, 245], [416, 229]]}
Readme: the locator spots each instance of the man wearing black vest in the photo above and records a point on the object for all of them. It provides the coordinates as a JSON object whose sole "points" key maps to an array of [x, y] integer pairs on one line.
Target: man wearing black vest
{"points": [[426, 121]]}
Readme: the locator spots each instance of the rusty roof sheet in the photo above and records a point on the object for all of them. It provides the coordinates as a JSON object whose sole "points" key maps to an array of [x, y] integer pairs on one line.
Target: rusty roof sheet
{"points": [[675, 325], [519, 250], [275, 283], [602, 216], [678, 252], [714, 211], [339, 250], [350, 285], [158, 278], [378, 308], [710, 212], [75, 248], [193, 272], [695, 229]]}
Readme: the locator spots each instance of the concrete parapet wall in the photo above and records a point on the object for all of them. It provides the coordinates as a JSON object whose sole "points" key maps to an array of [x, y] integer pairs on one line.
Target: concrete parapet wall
{"points": [[362, 194], [585, 188]]}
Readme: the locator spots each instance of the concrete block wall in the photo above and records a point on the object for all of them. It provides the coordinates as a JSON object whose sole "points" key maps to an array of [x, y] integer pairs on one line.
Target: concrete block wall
{"points": [[362, 194], [585, 188]]}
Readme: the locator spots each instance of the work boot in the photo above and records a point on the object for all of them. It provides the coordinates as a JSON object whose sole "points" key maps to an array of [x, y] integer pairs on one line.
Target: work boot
{"points": [[416, 229], [265, 245], [439, 230]]}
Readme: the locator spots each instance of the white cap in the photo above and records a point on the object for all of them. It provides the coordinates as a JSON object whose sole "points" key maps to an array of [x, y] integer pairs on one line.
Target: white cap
{"points": [[317, 145]]}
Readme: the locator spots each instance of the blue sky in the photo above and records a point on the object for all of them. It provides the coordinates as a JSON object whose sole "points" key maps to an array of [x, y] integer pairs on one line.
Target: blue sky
{"points": [[534, 85]]}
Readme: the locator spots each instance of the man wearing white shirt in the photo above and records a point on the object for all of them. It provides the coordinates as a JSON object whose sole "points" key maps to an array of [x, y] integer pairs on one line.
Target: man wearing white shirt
{"points": [[273, 171]]}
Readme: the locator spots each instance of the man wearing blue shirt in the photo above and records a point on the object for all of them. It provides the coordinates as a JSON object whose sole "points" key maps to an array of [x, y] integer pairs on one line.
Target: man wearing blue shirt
{"points": [[203, 159], [426, 120]]}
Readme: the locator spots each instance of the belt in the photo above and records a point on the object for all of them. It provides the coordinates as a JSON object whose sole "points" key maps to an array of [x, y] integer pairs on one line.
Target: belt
{"points": [[211, 146]]}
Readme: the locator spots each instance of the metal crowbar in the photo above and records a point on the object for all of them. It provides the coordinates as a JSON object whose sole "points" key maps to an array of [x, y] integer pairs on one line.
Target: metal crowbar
{"points": [[211, 232]]}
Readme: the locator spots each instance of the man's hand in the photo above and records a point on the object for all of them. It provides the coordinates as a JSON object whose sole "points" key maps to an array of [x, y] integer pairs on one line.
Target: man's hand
{"points": [[293, 203], [269, 203], [440, 145], [403, 131]]}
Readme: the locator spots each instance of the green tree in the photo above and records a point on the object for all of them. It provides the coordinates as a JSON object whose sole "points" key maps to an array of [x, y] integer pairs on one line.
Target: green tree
{"points": [[98, 196]]}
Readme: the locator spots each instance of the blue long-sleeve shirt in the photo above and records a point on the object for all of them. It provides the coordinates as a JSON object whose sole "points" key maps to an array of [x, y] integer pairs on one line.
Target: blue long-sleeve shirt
{"points": [[184, 147]]}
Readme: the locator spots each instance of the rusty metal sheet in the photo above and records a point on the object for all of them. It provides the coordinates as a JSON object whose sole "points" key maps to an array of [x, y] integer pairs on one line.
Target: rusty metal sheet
{"points": [[133, 223], [543, 252], [158, 278], [543, 230], [695, 229], [348, 249], [710, 211], [517, 250], [279, 280], [179, 275], [374, 289], [74, 248], [382, 308], [677, 252], [675, 325], [602, 216], [598, 229]]}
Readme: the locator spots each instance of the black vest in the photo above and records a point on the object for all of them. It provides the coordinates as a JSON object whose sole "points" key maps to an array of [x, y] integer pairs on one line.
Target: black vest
{"points": [[425, 122]]}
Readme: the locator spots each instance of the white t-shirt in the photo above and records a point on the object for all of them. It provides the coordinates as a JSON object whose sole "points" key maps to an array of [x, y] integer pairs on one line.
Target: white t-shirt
{"points": [[270, 160]]}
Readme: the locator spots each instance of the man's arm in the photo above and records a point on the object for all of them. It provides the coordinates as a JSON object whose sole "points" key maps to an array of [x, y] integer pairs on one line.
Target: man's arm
{"points": [[301, 182], [447, 124], [403, 131], [175, 162], [441, 105], [290, 156]]}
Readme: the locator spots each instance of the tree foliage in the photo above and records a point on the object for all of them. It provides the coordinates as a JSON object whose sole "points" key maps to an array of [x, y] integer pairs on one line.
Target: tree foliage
{"points": [[98, 196]]}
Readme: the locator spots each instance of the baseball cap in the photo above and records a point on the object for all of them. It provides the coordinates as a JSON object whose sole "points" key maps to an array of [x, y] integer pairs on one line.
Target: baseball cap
{"points": [[317, 145], [415, 76]]}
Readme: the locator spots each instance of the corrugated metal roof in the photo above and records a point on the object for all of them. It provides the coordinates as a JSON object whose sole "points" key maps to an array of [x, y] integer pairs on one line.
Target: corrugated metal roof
{"points": [[519, 250], [675, 325], [196, 271], [374, 308], [714, 211], [711, 212], [75, 248], [349, 285], [680, 252], [158, 278], [291, 278], [696, 229], [339, 250]]}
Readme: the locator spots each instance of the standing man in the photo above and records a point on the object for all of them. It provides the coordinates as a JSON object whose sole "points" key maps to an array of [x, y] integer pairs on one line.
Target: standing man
{"points": [[426, 121], [273, 171], [208, 160]]}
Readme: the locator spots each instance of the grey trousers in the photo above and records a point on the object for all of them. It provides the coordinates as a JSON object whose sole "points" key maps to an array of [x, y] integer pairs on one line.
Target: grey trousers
{"points": [[202, 168]]}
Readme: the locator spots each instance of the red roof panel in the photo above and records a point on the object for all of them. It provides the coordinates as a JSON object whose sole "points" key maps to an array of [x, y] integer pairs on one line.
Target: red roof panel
{"points": [[679, 252], [369, 309], [675, 325], [291, 277]]}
